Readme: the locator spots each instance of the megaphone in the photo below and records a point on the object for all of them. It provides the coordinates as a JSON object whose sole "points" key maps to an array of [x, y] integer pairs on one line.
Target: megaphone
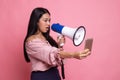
{"points": [[76, 34]]}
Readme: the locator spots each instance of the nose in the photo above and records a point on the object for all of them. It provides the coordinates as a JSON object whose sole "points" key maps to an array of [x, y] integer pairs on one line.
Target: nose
{"points": [[48, 22]]}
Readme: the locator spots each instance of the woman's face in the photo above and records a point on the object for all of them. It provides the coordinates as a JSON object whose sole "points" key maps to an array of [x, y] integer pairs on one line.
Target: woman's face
{"points": [[44, 23]]}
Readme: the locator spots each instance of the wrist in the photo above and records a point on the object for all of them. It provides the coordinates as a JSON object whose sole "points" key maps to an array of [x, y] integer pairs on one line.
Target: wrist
{"points": [[76, 54], [71, 55]]}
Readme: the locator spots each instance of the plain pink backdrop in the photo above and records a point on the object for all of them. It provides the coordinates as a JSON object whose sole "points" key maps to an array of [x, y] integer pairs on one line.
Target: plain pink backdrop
{"points": [[101, 19]]}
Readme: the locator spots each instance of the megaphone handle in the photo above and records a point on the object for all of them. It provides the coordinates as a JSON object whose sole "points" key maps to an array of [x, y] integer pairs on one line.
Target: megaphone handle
{"points": [[61, 43]]}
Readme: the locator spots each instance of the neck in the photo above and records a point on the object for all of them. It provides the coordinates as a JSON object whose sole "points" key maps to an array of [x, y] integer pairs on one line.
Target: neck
{"points": [[40, 35]]}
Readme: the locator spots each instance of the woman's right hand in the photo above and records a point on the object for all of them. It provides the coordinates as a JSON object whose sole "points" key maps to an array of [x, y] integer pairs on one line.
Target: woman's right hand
{"points": [[61, 41], [82, 54]]}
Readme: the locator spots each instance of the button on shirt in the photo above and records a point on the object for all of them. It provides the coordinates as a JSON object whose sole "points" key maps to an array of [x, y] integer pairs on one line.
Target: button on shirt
{"points": [[42, 55]]}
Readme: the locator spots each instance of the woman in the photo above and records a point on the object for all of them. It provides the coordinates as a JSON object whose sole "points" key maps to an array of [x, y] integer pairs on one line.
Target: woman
{"points": [[42, 50]]}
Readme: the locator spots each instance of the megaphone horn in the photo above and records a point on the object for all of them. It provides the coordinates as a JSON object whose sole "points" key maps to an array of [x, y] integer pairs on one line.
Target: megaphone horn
{"points": [[76, 34]]}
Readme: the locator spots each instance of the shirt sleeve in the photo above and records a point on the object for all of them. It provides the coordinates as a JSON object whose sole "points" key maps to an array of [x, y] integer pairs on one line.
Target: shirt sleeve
{"points": [[43, 52]]}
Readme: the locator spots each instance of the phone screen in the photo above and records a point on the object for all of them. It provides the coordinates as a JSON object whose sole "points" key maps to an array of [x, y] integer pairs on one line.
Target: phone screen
{"points": [[88, 43]]}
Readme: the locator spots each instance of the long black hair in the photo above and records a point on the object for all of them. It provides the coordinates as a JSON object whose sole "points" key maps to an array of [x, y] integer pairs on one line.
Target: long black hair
{"points": [[32, 29]]}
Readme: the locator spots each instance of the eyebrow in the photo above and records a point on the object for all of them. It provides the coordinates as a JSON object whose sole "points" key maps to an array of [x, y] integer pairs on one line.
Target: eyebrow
{"points": [[46, 18]]}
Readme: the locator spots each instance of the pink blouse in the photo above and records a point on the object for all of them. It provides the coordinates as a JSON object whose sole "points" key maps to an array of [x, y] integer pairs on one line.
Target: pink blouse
{"points": [[42, 55]]}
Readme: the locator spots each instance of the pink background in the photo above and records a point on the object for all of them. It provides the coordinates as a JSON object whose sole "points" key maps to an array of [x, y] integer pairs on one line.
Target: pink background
{"points": [[101, 19]]}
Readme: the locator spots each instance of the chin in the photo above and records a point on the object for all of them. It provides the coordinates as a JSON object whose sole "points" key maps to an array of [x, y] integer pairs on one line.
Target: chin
{"points": [[45, 32]]}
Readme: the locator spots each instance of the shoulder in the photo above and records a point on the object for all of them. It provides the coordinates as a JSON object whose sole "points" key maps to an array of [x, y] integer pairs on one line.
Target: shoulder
{"points": [[31, 38]]}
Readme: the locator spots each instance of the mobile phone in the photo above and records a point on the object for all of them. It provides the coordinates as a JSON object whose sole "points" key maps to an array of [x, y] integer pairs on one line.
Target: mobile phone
{"points": [[88, 43]]}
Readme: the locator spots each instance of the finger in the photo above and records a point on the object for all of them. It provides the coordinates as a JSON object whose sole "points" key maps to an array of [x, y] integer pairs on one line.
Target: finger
{"points": [[85, 54], [86, 50]]}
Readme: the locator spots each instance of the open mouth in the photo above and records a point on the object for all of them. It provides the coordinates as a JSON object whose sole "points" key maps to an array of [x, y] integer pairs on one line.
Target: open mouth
{"points": [[47, 28]]}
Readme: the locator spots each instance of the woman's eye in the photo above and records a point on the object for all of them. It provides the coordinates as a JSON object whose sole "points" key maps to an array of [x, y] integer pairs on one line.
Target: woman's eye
{"points": [[45, 20]]}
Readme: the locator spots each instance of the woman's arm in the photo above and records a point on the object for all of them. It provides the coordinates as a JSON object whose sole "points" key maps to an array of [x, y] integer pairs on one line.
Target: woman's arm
{"points": [[77, 54]]}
